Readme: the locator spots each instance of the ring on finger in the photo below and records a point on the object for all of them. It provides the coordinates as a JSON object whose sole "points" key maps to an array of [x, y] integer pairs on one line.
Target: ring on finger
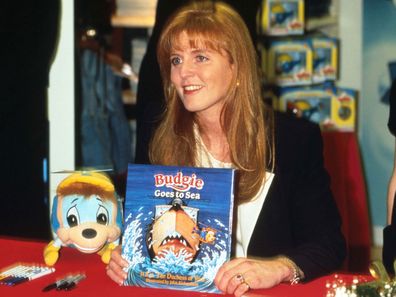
{"points": [[247, 285], [239, 277]]}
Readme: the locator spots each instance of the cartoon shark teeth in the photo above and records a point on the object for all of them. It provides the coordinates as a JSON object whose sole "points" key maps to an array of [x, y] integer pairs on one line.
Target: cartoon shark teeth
{"points": [[175, 236]]}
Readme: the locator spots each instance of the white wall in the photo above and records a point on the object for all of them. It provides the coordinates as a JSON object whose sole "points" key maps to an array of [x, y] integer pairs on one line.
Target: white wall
{"points": [[61, 100], [350, 34]]}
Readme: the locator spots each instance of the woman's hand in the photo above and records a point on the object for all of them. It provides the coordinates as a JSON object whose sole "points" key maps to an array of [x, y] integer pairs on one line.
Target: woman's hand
{"points": [[239, 275], [115, 267]]}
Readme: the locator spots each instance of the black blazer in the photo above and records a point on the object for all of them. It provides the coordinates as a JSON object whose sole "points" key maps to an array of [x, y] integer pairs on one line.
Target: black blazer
{"points": [[392, 109], [299, 217]]}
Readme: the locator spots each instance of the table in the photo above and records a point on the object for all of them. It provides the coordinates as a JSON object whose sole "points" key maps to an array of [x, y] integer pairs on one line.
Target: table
{"points": [[97, 283], [343, 162]]}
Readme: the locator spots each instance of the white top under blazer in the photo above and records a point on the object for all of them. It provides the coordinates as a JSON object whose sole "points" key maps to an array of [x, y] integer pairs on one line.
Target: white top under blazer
{"points": [[247, 213]]}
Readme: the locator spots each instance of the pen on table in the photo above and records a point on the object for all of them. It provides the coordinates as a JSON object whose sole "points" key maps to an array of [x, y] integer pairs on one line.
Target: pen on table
{"points": [[71, 285], [15, 273], [33, 276], [58, 283], [66, 283], [6, 273]]}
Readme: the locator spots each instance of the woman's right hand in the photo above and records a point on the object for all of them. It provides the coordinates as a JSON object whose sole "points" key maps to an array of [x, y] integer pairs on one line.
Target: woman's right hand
{"points": [[115, 267]]}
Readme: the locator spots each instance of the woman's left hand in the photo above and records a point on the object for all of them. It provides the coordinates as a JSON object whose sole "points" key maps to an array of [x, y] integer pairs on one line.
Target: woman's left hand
{"points": [[239, 275]]}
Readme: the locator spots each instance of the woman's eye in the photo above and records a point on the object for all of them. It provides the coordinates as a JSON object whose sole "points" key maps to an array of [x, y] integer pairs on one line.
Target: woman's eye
{"points": [[175, 60], [201, 58]]}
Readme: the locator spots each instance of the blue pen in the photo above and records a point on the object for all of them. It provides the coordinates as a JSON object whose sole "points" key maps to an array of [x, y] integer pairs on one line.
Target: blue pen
{"points": [[31, 274], [10, 271], [15, 274], [18, 277], [36, 274]]}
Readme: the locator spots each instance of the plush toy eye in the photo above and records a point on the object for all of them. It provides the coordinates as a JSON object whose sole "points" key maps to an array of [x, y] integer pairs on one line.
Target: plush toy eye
{"points": [[102, 216], [72, 217]]}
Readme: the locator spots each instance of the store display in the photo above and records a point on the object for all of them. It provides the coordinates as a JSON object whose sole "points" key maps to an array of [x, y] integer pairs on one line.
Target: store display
{"points": [[300, 71]]}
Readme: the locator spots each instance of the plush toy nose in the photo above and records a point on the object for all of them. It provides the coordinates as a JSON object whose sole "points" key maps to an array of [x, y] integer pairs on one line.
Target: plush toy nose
{"points": [[89, 233]]}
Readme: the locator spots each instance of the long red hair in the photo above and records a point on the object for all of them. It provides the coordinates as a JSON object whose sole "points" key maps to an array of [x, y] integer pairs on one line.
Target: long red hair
{"points": [[217, 26]]}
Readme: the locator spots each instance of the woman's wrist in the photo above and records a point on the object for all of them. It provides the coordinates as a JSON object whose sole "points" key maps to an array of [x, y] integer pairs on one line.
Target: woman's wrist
{"points": [[295, 274]]}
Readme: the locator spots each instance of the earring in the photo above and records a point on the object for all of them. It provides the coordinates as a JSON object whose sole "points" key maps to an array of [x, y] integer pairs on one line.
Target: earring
{"points": [[170, 89], [237, 84]]}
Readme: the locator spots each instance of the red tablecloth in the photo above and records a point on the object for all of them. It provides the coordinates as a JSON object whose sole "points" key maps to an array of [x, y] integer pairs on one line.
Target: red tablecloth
{"points": [[97, 283], [343, 162]]}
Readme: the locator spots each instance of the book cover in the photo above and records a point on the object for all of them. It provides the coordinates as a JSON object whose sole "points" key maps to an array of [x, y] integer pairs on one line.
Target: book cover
{"points": [[178, 225]]}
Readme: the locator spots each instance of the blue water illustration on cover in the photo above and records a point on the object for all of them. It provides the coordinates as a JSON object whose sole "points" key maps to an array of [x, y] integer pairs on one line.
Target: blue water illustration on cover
{"points": [[178, 224]]}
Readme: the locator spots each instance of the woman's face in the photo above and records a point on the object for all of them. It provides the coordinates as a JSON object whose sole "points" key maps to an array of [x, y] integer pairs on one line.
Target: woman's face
{"points": [[201, 77]]}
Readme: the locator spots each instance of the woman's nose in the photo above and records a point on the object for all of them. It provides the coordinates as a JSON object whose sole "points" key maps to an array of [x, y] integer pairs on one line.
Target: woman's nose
{"points": [[186, 69]]}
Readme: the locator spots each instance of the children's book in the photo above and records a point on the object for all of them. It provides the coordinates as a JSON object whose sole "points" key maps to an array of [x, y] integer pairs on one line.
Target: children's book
{"points": [[178, 225]]}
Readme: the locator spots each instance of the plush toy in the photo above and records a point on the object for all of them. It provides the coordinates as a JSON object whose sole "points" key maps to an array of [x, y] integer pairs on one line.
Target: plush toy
{"points": [[86, 214]]}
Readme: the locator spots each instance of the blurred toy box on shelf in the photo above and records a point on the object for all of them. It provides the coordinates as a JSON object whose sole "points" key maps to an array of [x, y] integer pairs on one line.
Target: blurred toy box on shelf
{"points": [[333, 108], [288, 62], [300, 62], [325, 59], [281, 17]]}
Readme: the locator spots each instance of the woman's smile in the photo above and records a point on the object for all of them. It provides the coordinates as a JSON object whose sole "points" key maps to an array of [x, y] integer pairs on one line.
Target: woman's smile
{"points": [[191, 89]]}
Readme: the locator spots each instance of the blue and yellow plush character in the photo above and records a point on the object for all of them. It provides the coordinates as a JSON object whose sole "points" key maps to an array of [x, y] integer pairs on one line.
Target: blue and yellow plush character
{"points": [[86, 214]]}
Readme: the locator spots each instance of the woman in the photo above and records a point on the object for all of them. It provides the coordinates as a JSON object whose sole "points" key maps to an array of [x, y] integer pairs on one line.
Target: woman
{"points": [[150, 99], [389, 232], [392, 129], [287, 224]]}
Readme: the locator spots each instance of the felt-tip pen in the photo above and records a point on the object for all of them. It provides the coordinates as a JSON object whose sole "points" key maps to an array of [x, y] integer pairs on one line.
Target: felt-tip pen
{"points": [[9, 272], [12, 273], [33, 276], [72, 284], [58, 283]]}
